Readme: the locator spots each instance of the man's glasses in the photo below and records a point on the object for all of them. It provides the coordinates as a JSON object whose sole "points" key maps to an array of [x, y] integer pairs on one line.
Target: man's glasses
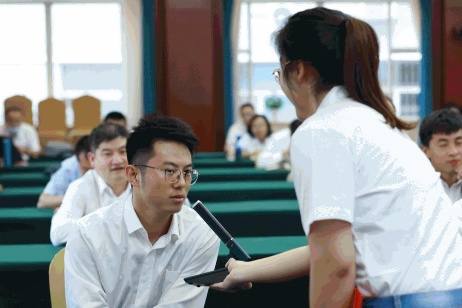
{"points": [[190, 176]]}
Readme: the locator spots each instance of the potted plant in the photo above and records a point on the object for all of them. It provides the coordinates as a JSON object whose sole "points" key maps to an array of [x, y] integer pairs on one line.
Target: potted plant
{"points": [[273, 103]]}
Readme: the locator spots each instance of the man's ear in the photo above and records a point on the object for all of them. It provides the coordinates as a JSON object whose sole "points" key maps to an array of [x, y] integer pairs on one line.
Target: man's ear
{"points": [[91, 158], [426, 150], [133, 175]]}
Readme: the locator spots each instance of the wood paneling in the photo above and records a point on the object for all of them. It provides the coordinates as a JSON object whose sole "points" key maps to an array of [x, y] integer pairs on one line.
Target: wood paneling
{"points": [[190, 66]]}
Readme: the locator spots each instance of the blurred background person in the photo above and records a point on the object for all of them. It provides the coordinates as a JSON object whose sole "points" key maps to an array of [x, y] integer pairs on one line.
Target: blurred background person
{"points": [[71, 169], [24, 136], [275, 154], [238, 129], [115, 117], [259, 132], [441, 139]]}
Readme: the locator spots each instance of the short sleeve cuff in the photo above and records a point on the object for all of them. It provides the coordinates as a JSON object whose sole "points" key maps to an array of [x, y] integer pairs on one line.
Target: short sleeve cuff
{"points": [[328, 213]]}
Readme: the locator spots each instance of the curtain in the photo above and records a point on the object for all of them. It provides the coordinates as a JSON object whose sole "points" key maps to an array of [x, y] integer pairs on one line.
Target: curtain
{"points": [[231, 18], [425, 98], [131, 32]]}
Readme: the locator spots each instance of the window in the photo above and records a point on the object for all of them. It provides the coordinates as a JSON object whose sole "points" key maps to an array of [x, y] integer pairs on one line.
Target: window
{"points": [[84, 54], [23, 56], [399, 71]]}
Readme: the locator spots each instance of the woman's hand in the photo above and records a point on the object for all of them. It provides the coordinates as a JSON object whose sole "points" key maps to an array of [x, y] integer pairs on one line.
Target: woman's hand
{"points": [[235, 281]]}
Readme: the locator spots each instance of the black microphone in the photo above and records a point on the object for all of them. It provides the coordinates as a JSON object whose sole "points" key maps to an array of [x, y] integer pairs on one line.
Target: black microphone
{"points": [[234, 248]]}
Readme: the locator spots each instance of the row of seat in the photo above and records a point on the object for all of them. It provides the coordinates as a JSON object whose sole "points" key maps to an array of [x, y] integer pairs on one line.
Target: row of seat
{"points": [[256, 206], [52, 116]]}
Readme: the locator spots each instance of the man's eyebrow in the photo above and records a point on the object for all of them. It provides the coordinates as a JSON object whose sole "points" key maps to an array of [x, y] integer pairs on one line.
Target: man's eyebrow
{"points": [[175, 165]]}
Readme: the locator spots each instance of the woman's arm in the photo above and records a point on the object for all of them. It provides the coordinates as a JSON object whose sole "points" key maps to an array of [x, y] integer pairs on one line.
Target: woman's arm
{"points": [[285, 266], [332, 264]]}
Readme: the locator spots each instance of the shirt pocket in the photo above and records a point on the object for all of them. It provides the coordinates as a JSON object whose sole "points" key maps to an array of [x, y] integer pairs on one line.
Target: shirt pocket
{"points": [[169, 279]]}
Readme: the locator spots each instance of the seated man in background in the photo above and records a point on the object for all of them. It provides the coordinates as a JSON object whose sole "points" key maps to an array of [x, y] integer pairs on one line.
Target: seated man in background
{"points": [[98, 187], [137, 252], [71, 169], [238, 129], [441, 138], [116, 117], [24, 136]]}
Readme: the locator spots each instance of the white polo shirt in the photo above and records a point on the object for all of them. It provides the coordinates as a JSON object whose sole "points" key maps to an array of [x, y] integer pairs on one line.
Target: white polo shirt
{"points": [[349, 165], [110, 262], [454, 191], [272, 155], [25, 137], [83, 196], [237, 129]]}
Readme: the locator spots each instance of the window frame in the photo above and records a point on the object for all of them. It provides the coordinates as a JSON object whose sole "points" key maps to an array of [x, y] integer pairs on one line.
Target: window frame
{"points": [[392, 51]]}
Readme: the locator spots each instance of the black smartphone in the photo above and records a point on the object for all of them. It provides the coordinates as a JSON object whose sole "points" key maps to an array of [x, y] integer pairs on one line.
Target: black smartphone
{"points": [[208, 278]]}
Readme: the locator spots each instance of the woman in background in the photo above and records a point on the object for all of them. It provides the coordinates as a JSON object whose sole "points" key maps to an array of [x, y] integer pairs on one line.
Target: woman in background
{"points": [[258, 133]]}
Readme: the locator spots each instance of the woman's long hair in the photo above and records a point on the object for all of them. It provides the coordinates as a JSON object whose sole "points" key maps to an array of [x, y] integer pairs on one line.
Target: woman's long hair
{"points": [[344, 50]]}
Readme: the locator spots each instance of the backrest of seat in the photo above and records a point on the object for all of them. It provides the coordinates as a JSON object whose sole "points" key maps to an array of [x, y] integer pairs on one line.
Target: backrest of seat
{"points": [[52, 115], [22, 102], [56, 278], [87, 112]]}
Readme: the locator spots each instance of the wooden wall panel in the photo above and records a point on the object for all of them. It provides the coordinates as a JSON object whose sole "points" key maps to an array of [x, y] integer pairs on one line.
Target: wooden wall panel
{"points": [[190, 66], [446, 53], [453, 53]]}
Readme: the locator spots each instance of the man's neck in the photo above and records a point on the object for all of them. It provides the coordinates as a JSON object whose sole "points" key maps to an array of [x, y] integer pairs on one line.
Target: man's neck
{"points": [[153, 222], [118, 187], [450, 178]]}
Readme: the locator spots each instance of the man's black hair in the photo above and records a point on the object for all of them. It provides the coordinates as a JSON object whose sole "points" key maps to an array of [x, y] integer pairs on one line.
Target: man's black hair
{"points": [[252, 119], [82, 146], [247, 104], [13, 109], [115, 115], [154, 128], [106, 132], [443, 121]]}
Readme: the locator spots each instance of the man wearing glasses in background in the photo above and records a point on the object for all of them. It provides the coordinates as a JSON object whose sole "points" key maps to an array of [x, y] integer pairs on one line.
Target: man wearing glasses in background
{"points": [[136, 252]]}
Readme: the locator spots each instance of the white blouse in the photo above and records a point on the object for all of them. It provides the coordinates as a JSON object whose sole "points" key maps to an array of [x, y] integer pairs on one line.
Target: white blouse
{"points": [[348, 164]]}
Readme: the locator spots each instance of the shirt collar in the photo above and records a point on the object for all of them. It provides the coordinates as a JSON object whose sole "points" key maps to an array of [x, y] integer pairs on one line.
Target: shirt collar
{"points": [[458, 183], [133, 224], [131, 219], [102, 186], [335, 95]]}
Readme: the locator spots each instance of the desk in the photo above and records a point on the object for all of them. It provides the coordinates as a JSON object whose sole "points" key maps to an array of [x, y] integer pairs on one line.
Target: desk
{"points": [[23, 179], [241, 191], [26, 225], [19, 196]]}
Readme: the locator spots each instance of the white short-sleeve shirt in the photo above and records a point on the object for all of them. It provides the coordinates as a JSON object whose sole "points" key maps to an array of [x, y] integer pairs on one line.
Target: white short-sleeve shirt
{"points": [[348, 164]]}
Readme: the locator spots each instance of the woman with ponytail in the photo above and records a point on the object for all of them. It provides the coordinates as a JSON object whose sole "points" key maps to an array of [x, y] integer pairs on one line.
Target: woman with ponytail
{"points": [[373, 209]]}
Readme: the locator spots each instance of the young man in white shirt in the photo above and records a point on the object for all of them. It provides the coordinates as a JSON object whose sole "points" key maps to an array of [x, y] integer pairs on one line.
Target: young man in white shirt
{"points": [[70, 170], [238, 129], [25, 137], [441, 138], [99, 187], [137, 252]]}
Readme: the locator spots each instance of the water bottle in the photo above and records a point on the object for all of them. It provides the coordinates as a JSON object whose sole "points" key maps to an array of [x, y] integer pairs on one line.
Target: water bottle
{"points": [[237, 149], [7, 152]]}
